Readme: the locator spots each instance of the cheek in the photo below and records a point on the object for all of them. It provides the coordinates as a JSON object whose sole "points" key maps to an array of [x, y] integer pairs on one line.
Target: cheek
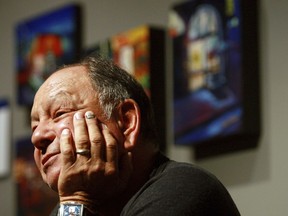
{"points": [[37, 158], [67, 123], [117, 134]]}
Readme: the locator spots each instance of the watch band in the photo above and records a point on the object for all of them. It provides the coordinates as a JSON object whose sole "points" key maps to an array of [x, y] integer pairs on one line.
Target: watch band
{"points": [[71, 209], [75, 209]]}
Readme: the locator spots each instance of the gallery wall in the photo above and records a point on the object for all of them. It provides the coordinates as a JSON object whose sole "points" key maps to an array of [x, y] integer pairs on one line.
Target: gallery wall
{"points": [[257, 179]]}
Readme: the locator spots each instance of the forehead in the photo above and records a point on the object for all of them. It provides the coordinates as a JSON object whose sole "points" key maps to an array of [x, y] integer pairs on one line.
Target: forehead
{"points": [[66, 78], [72, 82]]}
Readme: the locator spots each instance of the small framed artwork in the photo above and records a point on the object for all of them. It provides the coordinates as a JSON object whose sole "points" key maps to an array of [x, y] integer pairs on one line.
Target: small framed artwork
{"points": [[44, 43], [216, 75], [5, 138], [141, 52], [34, 197]]}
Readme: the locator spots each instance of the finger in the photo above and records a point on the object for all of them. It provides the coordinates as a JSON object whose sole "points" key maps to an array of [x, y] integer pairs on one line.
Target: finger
{"points": [[111, 146], [111, 167], [96, 138], [66, 148], [80, 132]]}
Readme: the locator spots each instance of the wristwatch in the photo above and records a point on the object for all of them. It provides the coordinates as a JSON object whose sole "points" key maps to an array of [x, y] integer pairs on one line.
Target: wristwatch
{"points": [[71, 209]]}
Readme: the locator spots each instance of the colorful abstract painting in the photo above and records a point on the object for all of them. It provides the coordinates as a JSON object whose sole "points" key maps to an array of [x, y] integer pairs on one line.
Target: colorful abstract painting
{"points": [[43, 44], [207, 69], [34, 197]]}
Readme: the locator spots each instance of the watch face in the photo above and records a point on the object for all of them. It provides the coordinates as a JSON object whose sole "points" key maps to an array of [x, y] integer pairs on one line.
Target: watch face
{"points": [[73, 209]]}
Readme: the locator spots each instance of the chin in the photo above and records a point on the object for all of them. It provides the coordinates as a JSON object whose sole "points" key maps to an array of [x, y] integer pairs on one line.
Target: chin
{"points": [[51, 178]]}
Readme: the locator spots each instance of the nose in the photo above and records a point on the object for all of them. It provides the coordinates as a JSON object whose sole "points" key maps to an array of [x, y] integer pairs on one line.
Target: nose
{"points": [[43, 136]]}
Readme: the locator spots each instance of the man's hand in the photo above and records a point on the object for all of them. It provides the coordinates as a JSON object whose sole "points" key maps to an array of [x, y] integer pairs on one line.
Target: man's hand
{"points": [[97, 176]]}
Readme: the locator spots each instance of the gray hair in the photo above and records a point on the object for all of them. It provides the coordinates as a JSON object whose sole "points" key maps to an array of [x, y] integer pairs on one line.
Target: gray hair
{"points": [[113, 85]]}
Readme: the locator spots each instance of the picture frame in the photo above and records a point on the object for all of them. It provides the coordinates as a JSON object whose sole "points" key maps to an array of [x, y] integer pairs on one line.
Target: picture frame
{"points": [[216, 102], [5, 138], [141, 52], [34, 196], [43, 43]]}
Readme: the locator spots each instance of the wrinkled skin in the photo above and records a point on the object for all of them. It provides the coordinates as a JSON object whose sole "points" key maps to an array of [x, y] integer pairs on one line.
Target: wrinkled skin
{"points": [[60, 127]]}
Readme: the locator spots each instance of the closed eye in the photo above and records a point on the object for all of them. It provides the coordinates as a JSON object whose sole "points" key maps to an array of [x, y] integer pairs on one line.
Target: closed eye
{"points": [[59, 113], [33, 128]]}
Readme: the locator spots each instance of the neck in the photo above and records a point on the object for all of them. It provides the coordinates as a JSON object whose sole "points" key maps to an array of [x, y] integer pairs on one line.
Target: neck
{"points": [[142, 167]]}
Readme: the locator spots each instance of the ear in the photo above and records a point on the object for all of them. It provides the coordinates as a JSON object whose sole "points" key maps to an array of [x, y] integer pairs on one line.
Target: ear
{"points": [[129, 122]]}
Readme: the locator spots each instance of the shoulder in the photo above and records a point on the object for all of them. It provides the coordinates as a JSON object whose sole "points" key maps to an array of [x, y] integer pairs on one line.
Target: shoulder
{"points": [[166, 168], [187, 171], [187, 177], [182, 189]]}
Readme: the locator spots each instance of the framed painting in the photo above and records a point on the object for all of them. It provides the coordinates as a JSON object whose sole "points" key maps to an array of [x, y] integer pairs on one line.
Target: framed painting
{"points": [[5, 138], [216, 75], [44, 43], [34, 197], [141, 52]]}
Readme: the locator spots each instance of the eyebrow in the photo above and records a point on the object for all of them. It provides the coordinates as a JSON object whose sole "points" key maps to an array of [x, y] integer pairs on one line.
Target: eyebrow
{"points": [[64, 98], [61, 94]]}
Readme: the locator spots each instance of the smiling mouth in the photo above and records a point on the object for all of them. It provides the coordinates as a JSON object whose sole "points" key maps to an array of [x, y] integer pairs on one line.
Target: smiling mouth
{"points": [[48, 159]]}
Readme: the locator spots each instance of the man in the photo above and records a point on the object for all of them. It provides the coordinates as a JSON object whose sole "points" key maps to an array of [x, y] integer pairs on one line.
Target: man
{"points": [[96, 146]]}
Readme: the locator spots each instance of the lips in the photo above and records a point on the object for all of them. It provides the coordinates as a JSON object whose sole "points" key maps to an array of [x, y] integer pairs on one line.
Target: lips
{"points": [[48, 158]]}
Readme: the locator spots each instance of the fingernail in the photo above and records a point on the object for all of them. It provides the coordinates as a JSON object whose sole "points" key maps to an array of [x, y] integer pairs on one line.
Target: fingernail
{"points": [[78, 115], [89, 115], [65, 131], [104, 126]]}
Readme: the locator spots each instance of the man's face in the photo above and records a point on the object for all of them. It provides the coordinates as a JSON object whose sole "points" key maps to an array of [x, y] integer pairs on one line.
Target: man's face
{"points": [[65, 92]]}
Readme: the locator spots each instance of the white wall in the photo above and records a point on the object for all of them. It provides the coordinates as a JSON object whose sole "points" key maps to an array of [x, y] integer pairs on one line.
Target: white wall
{"points": [[257, 179]]}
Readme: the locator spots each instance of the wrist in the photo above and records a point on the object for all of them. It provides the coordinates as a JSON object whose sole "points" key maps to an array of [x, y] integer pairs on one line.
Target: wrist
{"points": [[90, 205], [77, 208]]}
